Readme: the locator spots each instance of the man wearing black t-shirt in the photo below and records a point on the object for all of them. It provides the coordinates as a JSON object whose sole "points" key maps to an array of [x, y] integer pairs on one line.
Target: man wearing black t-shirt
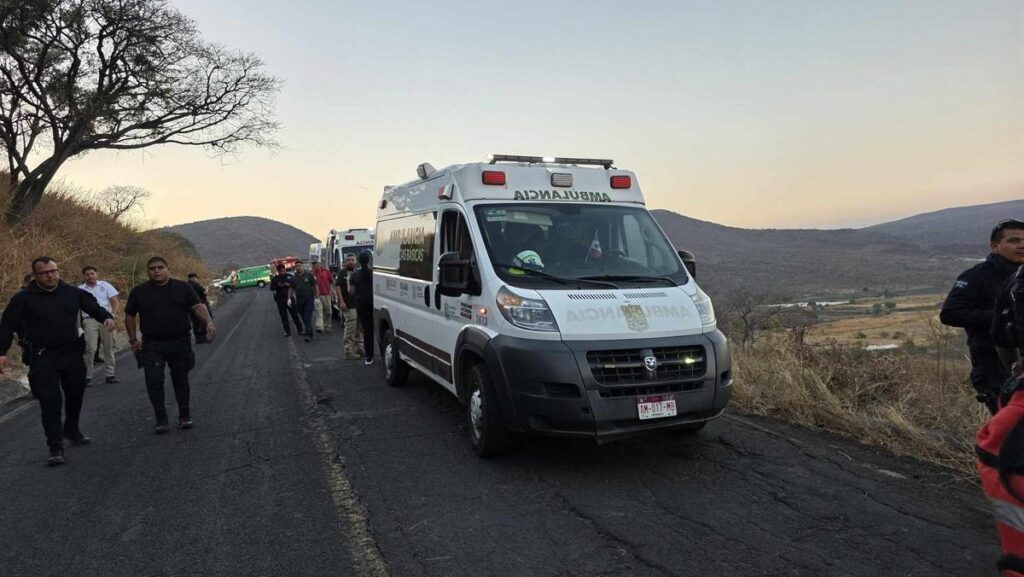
{"points": [[163, 306], [304, 291], [360, 285], [282, 285]]}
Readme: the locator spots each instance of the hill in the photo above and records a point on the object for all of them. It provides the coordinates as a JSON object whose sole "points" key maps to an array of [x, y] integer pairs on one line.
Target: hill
{"points": [[957, 229], [233, 242], [802, 263]]}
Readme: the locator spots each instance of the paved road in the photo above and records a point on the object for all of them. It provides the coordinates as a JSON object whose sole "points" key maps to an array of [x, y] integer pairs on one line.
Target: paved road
{"points": [[303, 464]]}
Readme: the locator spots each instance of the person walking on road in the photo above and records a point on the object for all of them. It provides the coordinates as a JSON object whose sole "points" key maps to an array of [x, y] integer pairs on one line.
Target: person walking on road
{"points": [[282, 285], [49, 312], [162, 306], [198, 326], [971, 304], [323, 304], [361, 287], [304, 292], [353, 347], [106, 295]]}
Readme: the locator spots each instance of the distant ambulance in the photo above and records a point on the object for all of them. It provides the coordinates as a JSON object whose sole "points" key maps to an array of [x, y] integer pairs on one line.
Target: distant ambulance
{"points": [[544, 295], [316, 251], [342, 242]]}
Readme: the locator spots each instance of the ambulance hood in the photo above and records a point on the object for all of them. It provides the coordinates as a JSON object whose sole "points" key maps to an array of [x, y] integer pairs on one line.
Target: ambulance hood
{"points": [[624, 314]]}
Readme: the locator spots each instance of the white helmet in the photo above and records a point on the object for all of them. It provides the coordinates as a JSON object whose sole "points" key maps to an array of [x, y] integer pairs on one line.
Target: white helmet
{"points": [[528, 259]]}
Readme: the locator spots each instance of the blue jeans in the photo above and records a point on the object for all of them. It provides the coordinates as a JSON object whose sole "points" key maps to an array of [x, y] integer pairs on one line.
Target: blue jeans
{"points": [[305, 309]]}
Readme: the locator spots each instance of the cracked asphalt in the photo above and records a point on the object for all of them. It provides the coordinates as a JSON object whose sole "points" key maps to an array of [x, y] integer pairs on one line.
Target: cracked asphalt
{"points": [[305, 464]]}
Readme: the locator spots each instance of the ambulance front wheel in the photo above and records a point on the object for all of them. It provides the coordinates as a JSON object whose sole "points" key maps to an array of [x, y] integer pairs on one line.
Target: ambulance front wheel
{"points": [[396, 371], [261, 284], [486, 429]]}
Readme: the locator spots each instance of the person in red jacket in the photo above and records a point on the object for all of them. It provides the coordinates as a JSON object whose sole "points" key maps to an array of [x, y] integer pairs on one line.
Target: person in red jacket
{"points": [[1000, 452]]}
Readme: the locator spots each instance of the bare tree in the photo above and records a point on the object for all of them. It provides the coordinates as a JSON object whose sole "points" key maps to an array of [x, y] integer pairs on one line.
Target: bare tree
{"points": [[118, 201], [81, 75], [745, 314]]}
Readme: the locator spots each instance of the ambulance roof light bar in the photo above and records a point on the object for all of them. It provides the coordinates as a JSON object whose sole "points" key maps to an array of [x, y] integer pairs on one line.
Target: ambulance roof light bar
{"points": [[606, 163]]}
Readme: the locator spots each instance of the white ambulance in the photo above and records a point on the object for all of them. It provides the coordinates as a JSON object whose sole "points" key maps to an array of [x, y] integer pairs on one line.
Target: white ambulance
{"points": [[344, 242], [543, 294]]}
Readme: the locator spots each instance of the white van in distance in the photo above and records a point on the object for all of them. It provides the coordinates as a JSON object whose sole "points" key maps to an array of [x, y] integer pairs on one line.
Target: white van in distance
{"points": [[544, 295], [342, 242]]}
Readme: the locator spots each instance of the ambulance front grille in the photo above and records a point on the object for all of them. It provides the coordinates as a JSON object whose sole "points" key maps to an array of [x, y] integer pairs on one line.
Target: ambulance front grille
{"points": [[626, 366]]}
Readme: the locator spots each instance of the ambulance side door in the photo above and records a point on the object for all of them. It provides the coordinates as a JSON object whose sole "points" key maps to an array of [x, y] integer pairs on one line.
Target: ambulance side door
{"points": [[456, 312]]}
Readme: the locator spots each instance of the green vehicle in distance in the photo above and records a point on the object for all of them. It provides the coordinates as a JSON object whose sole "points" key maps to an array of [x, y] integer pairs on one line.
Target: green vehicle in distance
{"points": [[254, 276]]}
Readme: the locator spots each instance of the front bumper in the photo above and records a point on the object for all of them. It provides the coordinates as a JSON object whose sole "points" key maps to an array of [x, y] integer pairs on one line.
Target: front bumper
{"points": [[550, 387]]}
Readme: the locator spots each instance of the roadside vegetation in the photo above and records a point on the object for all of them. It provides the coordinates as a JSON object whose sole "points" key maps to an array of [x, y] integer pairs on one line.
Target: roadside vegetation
{"points": [[79, 230], [814, 367]]}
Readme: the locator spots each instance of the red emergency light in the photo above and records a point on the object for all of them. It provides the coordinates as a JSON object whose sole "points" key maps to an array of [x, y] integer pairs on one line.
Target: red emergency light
{"points": [[621, 181], [494, 177], [350, 237]]}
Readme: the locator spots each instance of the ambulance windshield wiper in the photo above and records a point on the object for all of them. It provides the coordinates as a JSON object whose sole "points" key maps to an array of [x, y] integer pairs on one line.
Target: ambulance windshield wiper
{"points": [[558, 279], [629, 278]]}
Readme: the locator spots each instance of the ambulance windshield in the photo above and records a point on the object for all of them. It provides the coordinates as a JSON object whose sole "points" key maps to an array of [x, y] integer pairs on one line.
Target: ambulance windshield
{"points": [[622, 245]]}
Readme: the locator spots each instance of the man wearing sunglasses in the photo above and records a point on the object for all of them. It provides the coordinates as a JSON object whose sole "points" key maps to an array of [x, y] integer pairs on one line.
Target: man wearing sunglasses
{"points": [[971, 306], [48, 310]]}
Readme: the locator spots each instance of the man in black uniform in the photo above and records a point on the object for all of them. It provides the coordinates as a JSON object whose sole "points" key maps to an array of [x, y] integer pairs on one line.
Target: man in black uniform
{"points": [[282, 284], [163, 306], [972, 302], [198, 326], [49, 312], [360, 285], [304, 292]]}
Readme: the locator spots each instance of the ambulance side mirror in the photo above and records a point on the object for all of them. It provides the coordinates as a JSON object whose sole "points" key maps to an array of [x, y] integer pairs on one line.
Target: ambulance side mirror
{"points": [[689, 261], [454, 275]]}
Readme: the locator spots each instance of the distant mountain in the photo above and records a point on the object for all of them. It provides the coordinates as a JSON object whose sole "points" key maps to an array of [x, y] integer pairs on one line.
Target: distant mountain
{"points": [[801, 263], [234, 242], [965, 227]]}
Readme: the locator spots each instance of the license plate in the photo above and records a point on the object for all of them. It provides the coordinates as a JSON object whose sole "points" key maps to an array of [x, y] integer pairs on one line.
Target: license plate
{"points": [[656, 407]]}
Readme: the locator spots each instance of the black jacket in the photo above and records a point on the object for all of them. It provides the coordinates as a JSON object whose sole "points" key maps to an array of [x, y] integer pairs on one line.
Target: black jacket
{"points": [[200, 291], [972, 302], [50, 319]]}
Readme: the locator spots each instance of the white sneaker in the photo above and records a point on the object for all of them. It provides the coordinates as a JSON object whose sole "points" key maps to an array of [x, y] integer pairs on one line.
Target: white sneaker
{"points": [[367, 362]]}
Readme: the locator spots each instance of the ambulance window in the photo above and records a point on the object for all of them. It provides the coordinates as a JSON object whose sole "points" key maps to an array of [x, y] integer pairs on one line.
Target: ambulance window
{"points": [[635, 247], [455, 235]]}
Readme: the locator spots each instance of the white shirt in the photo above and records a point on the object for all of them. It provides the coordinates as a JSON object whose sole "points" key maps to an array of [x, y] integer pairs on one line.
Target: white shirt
{"points": [[103, 291]]}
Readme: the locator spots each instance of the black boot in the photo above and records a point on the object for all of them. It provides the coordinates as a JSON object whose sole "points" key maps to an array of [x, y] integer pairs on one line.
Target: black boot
{"points": [[56, 457]]}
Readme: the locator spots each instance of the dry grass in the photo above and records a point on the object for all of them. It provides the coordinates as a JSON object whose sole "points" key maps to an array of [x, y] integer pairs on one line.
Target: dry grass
{"points": [[67, 228], [914, 404]]}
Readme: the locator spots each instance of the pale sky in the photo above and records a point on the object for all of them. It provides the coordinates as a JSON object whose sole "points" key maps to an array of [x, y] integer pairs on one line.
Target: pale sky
{"points": [[754, 114]]}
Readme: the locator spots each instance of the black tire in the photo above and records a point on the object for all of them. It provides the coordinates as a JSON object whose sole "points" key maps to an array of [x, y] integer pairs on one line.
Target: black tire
{"points": [[229, 289], [396, 371], [261, 284], [487, 432]]}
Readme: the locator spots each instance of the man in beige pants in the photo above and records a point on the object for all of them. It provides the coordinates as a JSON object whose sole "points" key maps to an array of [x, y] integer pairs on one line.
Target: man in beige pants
{"points": [[347, 302], [106, 295], [323, 309]]}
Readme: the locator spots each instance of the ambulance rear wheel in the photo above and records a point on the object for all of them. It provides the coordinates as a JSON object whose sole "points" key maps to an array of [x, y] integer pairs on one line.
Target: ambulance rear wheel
{"points": [[229, 289], [261, 284], [396, 371], [487, 432]]}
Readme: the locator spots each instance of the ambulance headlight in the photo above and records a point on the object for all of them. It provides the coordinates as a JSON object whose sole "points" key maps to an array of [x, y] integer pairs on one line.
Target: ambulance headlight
{"points": [[705, 309], [526, 313]]}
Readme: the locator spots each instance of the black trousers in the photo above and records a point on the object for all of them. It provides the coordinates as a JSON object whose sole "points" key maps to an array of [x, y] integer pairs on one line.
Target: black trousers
{"points": [[177, 356], [987, 378], [365, 315], [284, 310], [198, 326], [53, 371]]}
